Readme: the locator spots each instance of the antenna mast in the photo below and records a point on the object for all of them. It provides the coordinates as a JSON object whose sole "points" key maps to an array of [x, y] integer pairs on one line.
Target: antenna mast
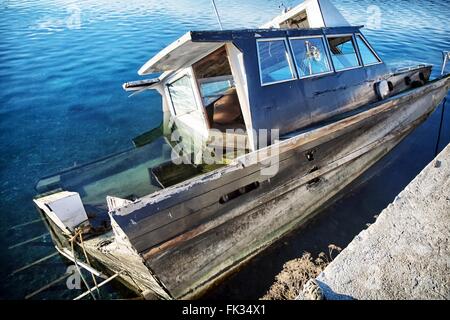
{"points": [[217, 14]]}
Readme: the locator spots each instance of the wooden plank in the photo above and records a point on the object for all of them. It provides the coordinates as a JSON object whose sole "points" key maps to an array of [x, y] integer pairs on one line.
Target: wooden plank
{"points": [[248, 176], [204, 258], [181, 53], [334, 129], [101, 284], [201, 257], [208, 206], [158, 213], [119, 255], [314, 137], [145, 222], [262, 192], [169, 197]]}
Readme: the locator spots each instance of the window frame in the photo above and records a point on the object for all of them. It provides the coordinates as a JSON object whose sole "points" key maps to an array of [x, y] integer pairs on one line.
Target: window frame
{"points": [[203, 81], [327, 53], [370, 48], [355, 45], [173, 79], [196, 91], [291, 63], [198, 101]]}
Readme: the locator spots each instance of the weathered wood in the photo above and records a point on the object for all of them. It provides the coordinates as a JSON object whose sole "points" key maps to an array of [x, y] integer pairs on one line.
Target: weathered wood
{"points": [[202, 260], [152, 215], [265, 153], [215, 239], [114, 253], [300, 180], [101, 284], [206, 254], [212, 254], [205, 207], [169, 197], [336, 128]]}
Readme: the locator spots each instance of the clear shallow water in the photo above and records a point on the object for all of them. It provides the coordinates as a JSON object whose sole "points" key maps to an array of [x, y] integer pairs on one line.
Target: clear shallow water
{"points": [[61, 103]]}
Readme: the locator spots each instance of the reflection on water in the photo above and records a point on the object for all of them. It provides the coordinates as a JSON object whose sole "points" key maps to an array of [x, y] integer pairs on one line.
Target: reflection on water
{"points": [[124, 175], [62, 63]]}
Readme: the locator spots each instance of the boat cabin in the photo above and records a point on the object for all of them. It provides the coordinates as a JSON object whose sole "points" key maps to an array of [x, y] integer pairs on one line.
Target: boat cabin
{"points": [[223, 88], [330, 109], [283, 77]]}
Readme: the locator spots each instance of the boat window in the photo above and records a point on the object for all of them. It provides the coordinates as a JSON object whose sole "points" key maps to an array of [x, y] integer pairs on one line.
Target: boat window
{"points": [[213, 88], [310, 56], [343, 52], [274, 61], [182, 96], [367, 54]]}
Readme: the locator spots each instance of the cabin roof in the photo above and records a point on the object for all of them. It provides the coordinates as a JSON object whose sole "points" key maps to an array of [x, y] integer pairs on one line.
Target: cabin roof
{"points": [[195, 44], [177, 54]]}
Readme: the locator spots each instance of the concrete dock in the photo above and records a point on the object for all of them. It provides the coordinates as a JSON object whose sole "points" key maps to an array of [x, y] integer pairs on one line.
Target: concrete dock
{"points": [[405, 254]]}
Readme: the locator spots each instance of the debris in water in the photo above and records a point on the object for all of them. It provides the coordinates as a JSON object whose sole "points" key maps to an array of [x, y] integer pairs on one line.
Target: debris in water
{"points": [[296, 273]]}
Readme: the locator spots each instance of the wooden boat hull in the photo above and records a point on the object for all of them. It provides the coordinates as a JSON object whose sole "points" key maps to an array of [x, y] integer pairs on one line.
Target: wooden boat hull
{"points": [[213, 238], [192, 263]]}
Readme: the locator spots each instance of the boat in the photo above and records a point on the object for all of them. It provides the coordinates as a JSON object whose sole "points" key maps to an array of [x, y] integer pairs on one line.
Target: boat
{"points": [[262, 128]]}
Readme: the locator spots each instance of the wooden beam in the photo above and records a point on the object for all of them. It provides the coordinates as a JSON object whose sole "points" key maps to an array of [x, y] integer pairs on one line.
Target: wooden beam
{"points": [[99, 285]]}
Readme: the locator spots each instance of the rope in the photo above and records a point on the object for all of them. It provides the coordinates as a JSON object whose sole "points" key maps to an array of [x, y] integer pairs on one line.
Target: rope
{"points": [[72, 240], [89, 263], [440, 128]]}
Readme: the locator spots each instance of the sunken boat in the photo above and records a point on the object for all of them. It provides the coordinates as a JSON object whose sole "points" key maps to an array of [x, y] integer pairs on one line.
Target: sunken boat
{"points": [[261, 129]]}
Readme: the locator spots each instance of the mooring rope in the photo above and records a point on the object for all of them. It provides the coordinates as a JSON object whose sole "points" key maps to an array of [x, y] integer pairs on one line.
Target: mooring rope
{"points": [[440, 127], [72, 240], [89, 263]]}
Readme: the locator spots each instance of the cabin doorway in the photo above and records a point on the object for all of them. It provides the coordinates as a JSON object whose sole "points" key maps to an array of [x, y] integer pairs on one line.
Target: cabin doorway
{"points": [[218, 92], [299, 21]]}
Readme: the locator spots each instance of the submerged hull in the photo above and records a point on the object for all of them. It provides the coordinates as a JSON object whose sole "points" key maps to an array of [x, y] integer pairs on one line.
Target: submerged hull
{"points": [[179, 242], [189, 267]]}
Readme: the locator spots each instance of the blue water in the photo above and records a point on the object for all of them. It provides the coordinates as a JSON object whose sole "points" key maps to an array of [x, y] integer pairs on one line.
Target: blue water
{"points": [[62, 64]]}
